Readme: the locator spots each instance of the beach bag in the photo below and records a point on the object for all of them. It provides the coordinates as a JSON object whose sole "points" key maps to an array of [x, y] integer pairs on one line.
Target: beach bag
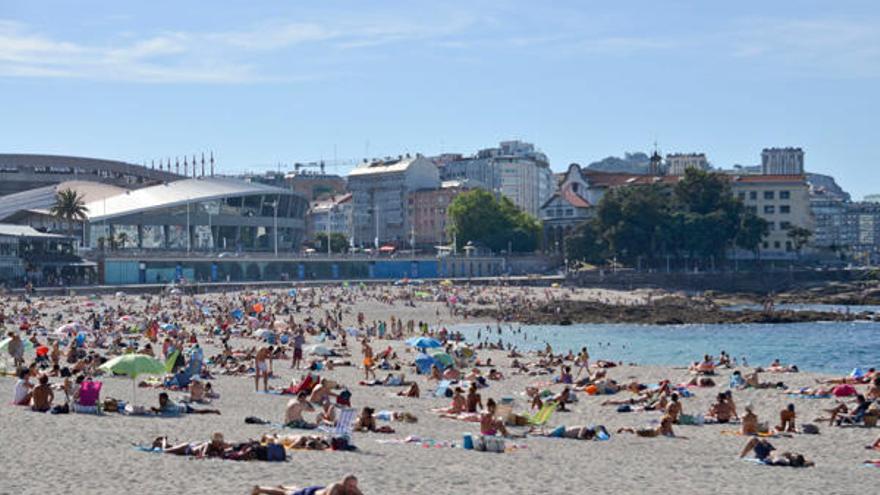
{"points": [[339, 443], [870, 419], [810, 429], [624, 408], [60, 409], [253, 420], [275, 453]]}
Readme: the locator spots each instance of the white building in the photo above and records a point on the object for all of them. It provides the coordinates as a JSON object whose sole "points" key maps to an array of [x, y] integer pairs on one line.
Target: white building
{"points": [[677, 163], [514, 169], [379, 191], [782, 161], [332, 215]]}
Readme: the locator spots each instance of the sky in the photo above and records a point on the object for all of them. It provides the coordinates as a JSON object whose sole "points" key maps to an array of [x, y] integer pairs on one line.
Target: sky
{"points": [[262, 83]]}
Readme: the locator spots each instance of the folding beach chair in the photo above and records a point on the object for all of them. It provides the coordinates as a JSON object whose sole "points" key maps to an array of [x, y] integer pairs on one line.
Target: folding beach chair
{"points": [[89, 395], [539, 420], [344, 424], [504, 411]]}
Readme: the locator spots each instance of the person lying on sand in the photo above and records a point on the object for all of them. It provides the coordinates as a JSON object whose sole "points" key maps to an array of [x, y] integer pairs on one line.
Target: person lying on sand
{"points": [[168, 407], [665, 429], [348, 486], [764, 452], [217, 447], [578, 432], [412, 391]]}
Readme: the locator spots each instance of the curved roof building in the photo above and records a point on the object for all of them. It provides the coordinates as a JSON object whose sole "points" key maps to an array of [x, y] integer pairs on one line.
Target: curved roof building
{"points": [[206, 213], [22, 172]]}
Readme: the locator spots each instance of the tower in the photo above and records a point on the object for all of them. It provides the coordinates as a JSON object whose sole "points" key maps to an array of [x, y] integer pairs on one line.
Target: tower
{"points": [[656, 161], [212, 164]]}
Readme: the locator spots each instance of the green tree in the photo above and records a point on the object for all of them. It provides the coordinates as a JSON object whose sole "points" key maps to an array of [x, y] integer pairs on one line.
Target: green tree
{"points": [[585, 244], [630, 221], [70, 207], [711, 216], [800, 237], [479, 216], [338, 242], [752, 231]]}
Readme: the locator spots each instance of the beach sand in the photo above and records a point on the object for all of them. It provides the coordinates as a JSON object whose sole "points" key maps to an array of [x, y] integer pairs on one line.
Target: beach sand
{"points": [[93, 454]]}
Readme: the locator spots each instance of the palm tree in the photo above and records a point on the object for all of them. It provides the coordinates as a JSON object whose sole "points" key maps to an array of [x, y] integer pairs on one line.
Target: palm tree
{"points": [[70, 207]]}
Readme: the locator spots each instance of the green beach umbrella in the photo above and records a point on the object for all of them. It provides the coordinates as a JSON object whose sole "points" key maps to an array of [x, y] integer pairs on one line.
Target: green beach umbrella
{"points": [[4, 344], [134, 365], [444, 359]]}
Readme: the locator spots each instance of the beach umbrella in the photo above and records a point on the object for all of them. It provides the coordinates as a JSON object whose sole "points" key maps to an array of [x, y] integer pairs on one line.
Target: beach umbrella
{"points": [[424, 363], [134, 365], [319, 350], [446, 283], [71, 328], [291, 293], [4, 344], [423, 342], [237, 313], [444, 359]]}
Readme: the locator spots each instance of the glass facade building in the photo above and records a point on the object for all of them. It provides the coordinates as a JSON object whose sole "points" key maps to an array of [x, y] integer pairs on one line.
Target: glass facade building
{"points": [[203, 214]]}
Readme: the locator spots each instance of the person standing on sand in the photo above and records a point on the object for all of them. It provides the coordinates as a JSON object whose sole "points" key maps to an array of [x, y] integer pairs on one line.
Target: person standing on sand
{"points": [[368, 359], [298, 341], [262, 362]]}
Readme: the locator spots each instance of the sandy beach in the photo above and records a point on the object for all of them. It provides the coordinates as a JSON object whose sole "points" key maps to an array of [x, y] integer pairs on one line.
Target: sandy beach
{"points": [[78, 453]]}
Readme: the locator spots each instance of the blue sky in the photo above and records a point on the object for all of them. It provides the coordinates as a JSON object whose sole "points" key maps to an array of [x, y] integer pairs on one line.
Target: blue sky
{"points": [[263, 82]]}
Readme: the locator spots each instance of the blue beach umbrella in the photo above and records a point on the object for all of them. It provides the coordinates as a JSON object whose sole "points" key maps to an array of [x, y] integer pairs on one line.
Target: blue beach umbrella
{"points": [[424, 363], [423, 342]]}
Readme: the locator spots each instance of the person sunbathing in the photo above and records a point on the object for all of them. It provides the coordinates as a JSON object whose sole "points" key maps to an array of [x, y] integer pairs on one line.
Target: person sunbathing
{"points": [[490, 423], [764, 452], [412, 391], [584, 433], [217, 447], [327, 415], [473, 399], [168, 407], [787, 420], [854, 416], [293, 415], [665, 429], [458, 406], [42, 395], [750, 424], [674, 409], [348, 486], [367, 422], [721, 410]]}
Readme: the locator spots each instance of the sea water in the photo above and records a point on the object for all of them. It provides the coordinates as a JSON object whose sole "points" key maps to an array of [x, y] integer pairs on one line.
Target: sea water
{"points": [[828, 347]]}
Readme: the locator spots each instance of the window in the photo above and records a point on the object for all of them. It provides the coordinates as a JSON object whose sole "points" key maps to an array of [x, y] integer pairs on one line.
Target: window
{"points": [[776, 245], [771, 225], [784, 225], [784, 209], [742, 196], [788, 246], [752, 209], [784, 194], [753, 194], [769, 209], [768, 195], [569, 212], [766, 245]]}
